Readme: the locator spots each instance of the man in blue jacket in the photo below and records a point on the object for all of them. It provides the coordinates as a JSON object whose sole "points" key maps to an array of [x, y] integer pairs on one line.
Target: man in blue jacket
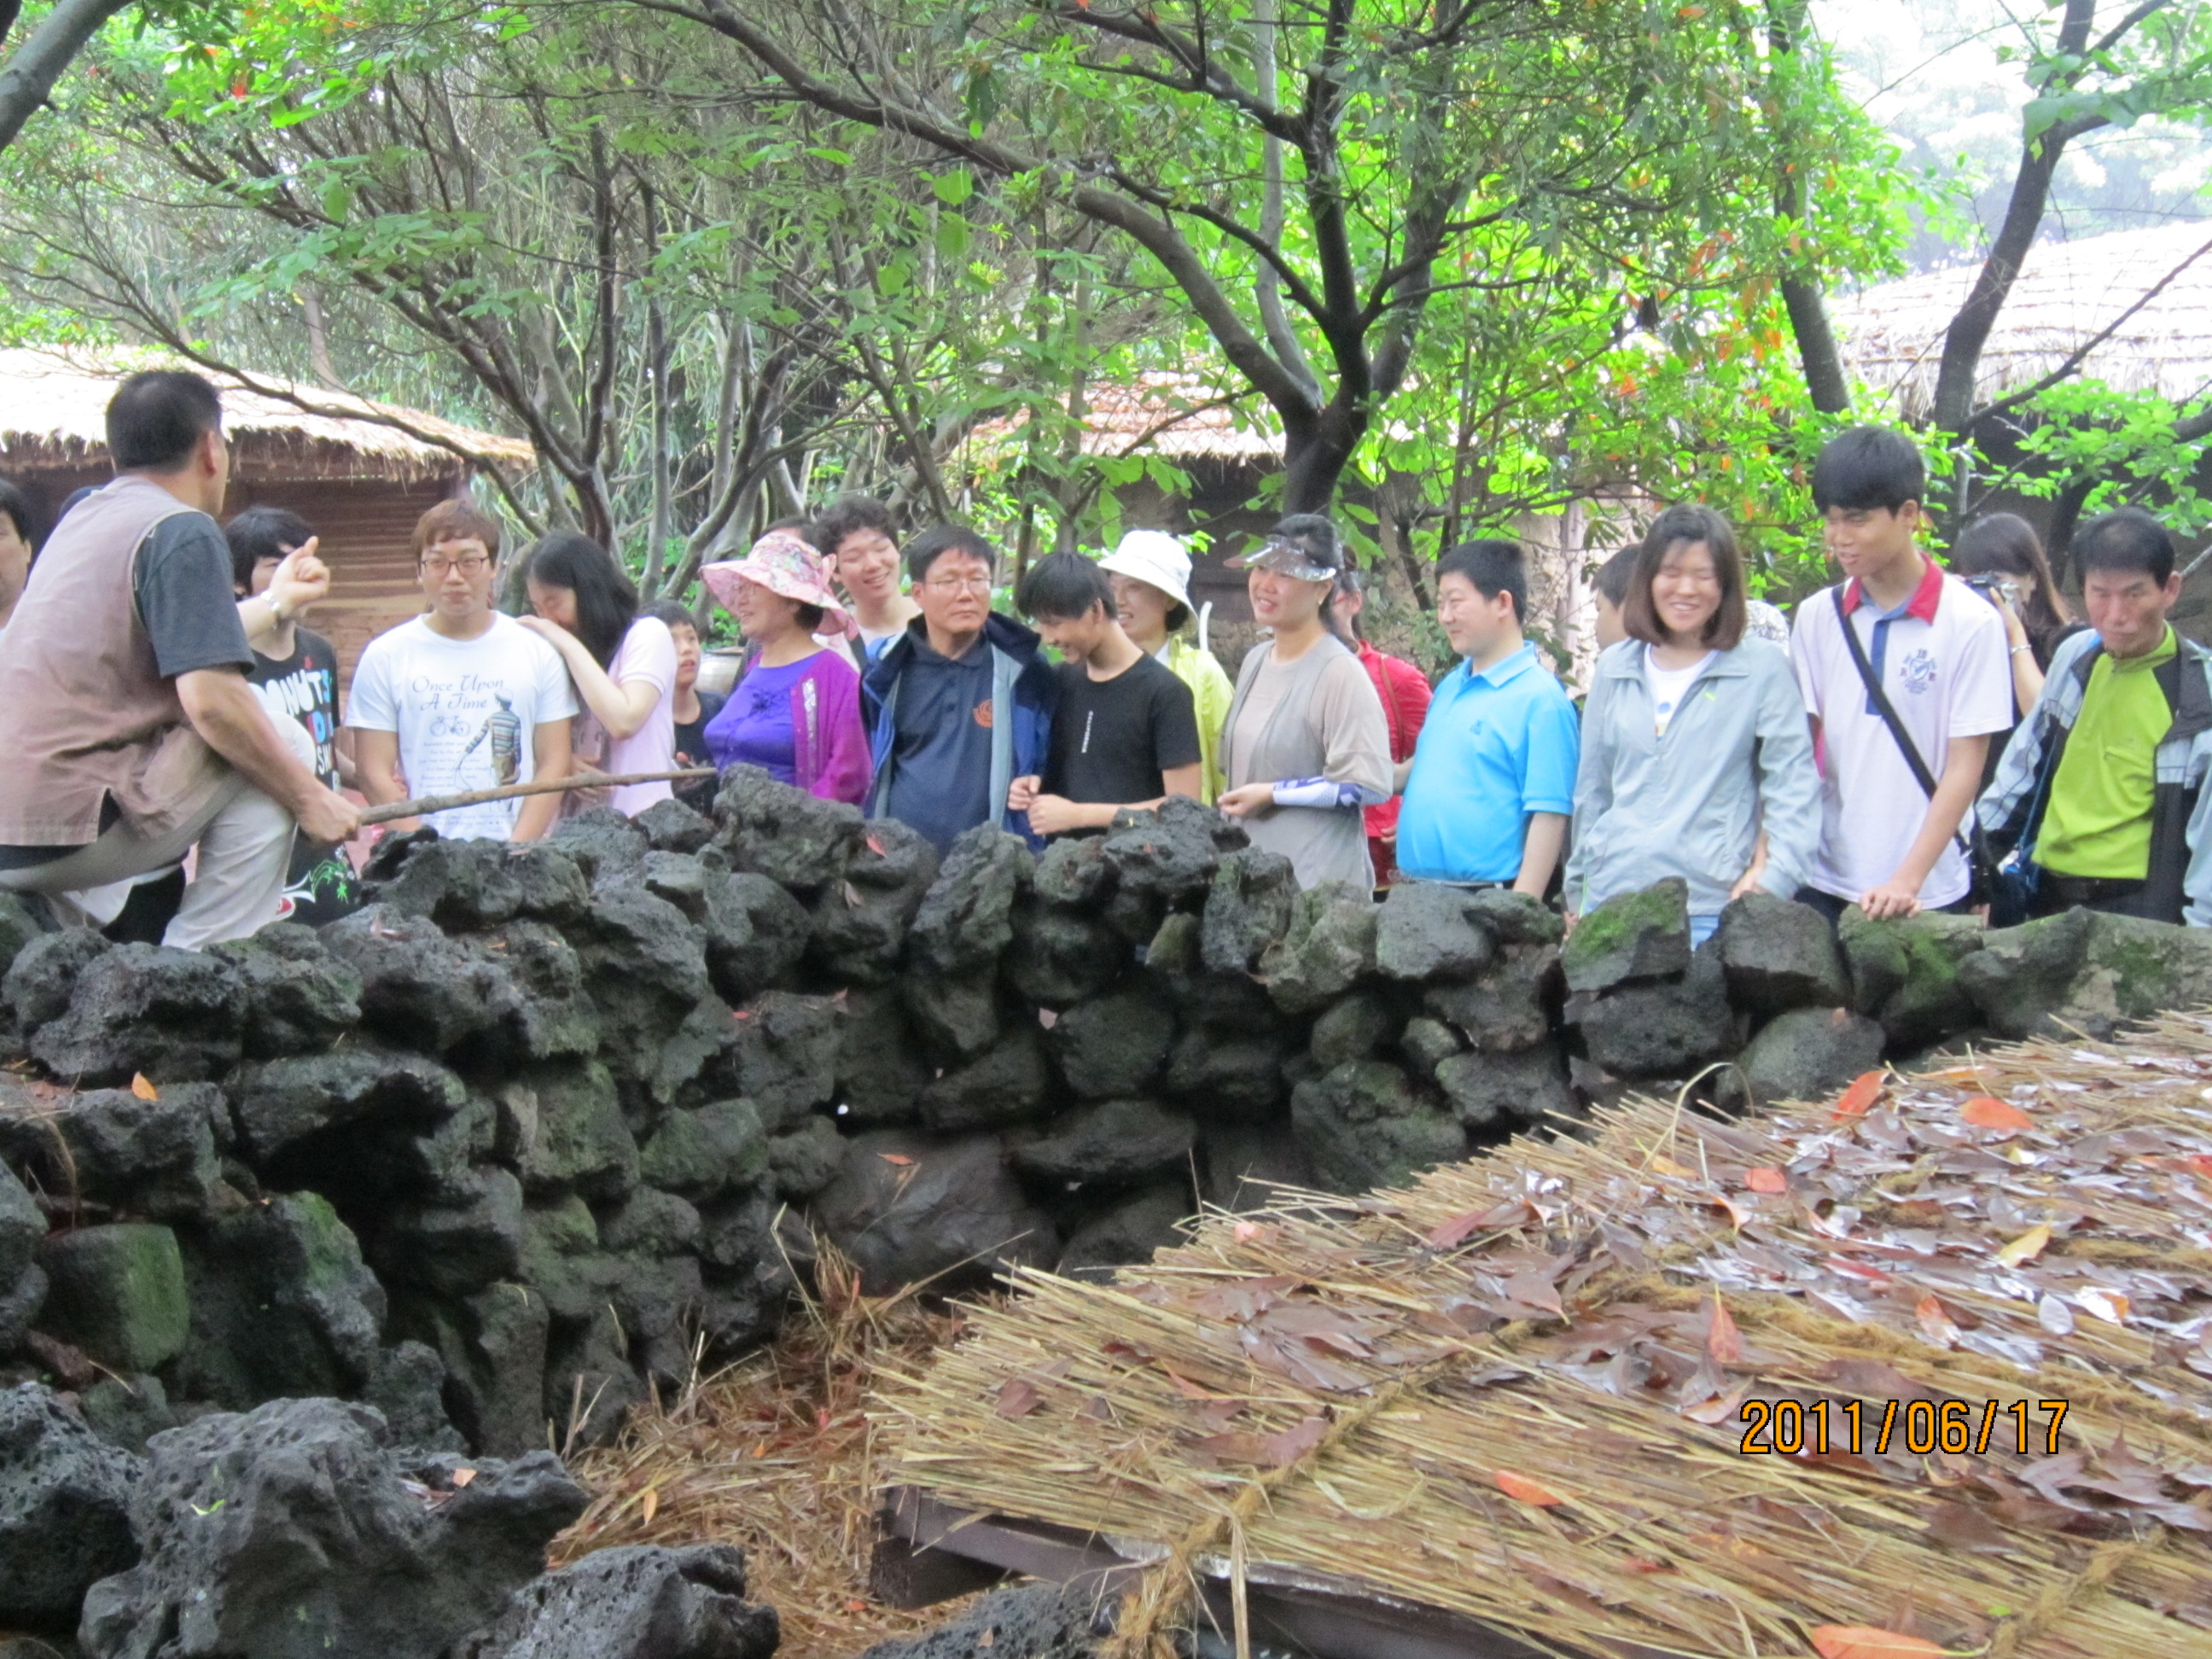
{"points": [[961, 703]]}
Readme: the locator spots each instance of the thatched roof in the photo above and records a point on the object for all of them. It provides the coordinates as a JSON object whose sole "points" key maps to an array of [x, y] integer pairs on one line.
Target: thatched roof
{"points": [[2067, 293], [53, 403], [1515, 1390], [1177, 416]]}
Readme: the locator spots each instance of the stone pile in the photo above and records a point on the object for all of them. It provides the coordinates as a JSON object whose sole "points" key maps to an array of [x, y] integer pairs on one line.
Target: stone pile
{"points": [[543, 1128]]}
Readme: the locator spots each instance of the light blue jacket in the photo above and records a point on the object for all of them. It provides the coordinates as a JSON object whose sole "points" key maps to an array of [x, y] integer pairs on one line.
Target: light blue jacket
{"points": [[1737, 758]]}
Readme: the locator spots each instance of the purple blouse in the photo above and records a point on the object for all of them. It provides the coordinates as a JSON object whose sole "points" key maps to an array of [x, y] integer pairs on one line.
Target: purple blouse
{"points": [[801, 723]]}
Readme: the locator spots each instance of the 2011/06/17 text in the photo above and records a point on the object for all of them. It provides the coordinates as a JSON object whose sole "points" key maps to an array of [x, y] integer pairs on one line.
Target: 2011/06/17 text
{"points": [[1794, 1426]]}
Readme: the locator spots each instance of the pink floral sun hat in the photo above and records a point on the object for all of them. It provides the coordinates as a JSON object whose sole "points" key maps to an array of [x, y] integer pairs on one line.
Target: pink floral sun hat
{"points": [[783, 562]]}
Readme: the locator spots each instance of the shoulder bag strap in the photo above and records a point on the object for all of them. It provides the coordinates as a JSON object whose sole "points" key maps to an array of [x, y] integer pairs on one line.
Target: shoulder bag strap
{"points": [[1883, 706]]}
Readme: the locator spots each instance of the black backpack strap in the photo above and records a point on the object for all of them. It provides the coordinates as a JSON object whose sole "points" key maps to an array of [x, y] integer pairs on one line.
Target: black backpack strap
{"points": [[1887, 710]]}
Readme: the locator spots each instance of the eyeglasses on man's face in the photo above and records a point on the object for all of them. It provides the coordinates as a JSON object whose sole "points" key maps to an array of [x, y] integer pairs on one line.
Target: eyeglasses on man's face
{"points": [[469, 564], [959, 584]]}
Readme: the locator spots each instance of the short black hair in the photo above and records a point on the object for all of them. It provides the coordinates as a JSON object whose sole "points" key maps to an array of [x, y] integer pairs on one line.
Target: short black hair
{"points": [[262, 532], [156, 416], [925, 549], [17, 506], [1062, 587], [846, 515], [1868, 467], [2127, 538], [671, 614], [1493, 565], [1613, 577]]}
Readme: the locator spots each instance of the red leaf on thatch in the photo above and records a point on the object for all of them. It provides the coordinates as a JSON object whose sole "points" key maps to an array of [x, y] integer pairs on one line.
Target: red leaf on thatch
{"points": [[1988, 1112], [1766, 1181], [1534, 1289], [1865, 1089], [1645, 1564], [1963, 1526], [1273, 1451], [1019, 1397], [1934, 1323], [1516, 1212], [1241, 1299], [1865, 1642], [142, 1088], [1723, 1340], [1521, 1489]]}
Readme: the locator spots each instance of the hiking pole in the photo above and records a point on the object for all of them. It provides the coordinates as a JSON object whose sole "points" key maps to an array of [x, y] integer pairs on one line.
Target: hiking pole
{"points": [[425, 804]]}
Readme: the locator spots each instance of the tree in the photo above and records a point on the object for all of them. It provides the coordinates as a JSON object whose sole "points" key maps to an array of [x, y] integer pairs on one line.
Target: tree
{"points": [[37, 63]]}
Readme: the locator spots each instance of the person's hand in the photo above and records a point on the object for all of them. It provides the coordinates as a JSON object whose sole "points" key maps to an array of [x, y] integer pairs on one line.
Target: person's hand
{"points": [[2015, 629], [1249, 801], [1892, 898], [1567, 921], [1055, 815], [1748, 881], [300, 580], [551, 632], [1021, 793], [328, 817]]}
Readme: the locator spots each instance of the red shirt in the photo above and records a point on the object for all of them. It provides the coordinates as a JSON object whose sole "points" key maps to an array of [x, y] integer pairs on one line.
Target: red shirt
{"points": [[1405, 693]]}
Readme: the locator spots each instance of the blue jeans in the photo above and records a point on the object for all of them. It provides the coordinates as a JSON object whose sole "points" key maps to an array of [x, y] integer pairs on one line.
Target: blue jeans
{"points": [[1701, 929]]}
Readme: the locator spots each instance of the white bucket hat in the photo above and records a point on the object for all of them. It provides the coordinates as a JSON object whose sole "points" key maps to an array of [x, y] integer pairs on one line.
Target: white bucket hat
{"points": [[1153, 556]]}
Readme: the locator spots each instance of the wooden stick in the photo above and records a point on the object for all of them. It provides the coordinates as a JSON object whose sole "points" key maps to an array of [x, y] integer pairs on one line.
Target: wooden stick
{"points": [[392, 811]]}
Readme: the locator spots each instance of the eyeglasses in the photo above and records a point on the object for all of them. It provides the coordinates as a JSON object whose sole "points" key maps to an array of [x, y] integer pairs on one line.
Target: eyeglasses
{"points": [[957, 584], [469, 564]]}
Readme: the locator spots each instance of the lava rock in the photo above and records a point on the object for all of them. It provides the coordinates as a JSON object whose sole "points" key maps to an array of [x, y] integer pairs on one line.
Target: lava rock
{"points": [[1364, 1126], [461, 885], [21, 1299], [634, 943], [1036, 1621], [64, 1509], [1354, 1028], [149, 1157], [639, 1601], [1427, 1043], [672, 827], [408, 1387], [552, 886], [880, 1071], [755, 932], [1129, 1232], [1905, 971], [569, 1131], [1510, 1006], [491, 1347], [1662, 1029], [783, 1054], [126, 1411], [299, 999], [1328, 948], [42, 978], [1780, 955], [1113, 1045], [1524, 1086], [1007, 1084], [283, 1102], [1114, 1143], [118, 1292], [704, 1152], [967, 917], [1244, 1162], [908, 1208], [651, 1224], [1427, 930], [2084, 970], [1073, 871], [174, 1015], [604, 844], [793, 838], [1512, 918], [1247, 909], [804, 1159], [22, 1224], [18, 927], [956, 1016], [486, 1000], [1809, 1054], [859, 924], [1061, 955], [1163, 860], [1634, 936], [456, 1249], [289, 1529]]}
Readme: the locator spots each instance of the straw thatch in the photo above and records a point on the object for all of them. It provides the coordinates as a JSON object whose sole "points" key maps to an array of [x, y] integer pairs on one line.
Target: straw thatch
{"points": [[52, 417], [2067, 293], [1513, 1390], [1175, 416]]}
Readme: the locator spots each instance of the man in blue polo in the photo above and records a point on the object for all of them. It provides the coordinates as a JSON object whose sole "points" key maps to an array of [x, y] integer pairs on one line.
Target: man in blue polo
{"points": [[1491, 784]]}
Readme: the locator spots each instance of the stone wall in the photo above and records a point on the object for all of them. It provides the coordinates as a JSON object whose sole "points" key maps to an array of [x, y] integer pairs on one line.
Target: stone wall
{"points": [[544, 1128]]}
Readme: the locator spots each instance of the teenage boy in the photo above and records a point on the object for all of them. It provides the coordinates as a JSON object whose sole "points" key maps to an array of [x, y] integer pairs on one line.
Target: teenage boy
{"points": [[960, 704], [2104, 782], [1895, 784], [695, 708], [1125, 734], [855, 536], [1491, 784], [1609, 589], [462, 698]]}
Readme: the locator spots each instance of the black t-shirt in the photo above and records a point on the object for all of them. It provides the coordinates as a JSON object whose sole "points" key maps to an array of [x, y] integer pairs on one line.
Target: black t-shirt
{"points": [[1114, 741], [692, 750], [321, 887]]}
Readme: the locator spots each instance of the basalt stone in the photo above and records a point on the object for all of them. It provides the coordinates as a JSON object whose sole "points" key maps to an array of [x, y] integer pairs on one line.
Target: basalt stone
{"points": [[1328, 948], [638, 943], [1663, 1029], [677, 878], [553, 1018], [299, 997], [1248, 908], [1509, 1006], [1113, 1045], [1162, 861], [43, 977], [1227, 1064], [126, 1411], [1512, 918], [456, 1249], [2084, 971], [957, 1014], [149, 1157], [395, 1162], [1073, 871], [282, 1304], [650, 1224], [491, 1347], [656, 1307], [1173, 957], [420, 989], [1905, 972], [1061, 955], [1354, 1028], [282, 1102], [22, 1297], [22, 1224], [1037, 1621], [859, 924], [569, 1131], [18, 927], [679, 1066], [880, 1070], [908, 1208], [1809, 1054], [673, 827], [462, 885], [751, 1249], [639, 1601], [407, 1386], [1634, 936], [590, 1384], [1527, 1086], [601, 842], [966, 918], [1780, 955], [792, 837], [551, 886], [1427, 932], [1114, 1143], [2020, 975], [555, 1231], [64, 1509], [1426, 1043], [292, 1529], [176, 1016], [805, 1159], [1364, 1126], [1128, 1233], [782, 1055], [118, 1293], [703, 1152], [1006, 1084], [1243, 1164]]}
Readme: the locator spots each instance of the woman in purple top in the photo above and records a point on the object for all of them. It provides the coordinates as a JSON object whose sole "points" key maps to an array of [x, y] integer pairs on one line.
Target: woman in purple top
{"points": [[796, 712]]}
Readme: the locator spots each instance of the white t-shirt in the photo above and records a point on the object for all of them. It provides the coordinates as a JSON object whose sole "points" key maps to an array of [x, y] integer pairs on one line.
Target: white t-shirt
{"points": [[1948, 673], [1668, 686], [647, 653], [465, 711]]}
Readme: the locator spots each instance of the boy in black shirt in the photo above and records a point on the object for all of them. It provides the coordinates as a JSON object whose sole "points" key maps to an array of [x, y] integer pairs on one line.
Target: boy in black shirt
{"points": [[1124, 736]]}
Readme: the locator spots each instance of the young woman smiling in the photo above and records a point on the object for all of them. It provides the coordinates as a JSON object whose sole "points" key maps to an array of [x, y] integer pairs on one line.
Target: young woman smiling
{"points": [[1696, 760]]}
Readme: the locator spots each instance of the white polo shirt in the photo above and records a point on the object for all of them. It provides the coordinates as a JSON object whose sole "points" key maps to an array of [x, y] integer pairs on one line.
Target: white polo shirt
{"points": [[1943, 661]]}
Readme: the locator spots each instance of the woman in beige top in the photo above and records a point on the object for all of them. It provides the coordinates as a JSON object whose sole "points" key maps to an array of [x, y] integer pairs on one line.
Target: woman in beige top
{"points": [[1306, 748]]}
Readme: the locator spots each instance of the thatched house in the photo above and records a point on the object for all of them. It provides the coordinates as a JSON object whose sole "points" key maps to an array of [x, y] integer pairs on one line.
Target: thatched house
{"points": [[362, 473]]}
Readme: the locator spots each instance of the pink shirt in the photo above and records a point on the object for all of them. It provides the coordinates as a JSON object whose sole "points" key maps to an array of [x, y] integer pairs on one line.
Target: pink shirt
{"points": [[647, 654]]}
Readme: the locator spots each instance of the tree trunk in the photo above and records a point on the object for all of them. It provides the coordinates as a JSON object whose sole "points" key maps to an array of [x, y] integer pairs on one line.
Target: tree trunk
{"points": [[1825, 382], [1315, 451], [32, 70]]}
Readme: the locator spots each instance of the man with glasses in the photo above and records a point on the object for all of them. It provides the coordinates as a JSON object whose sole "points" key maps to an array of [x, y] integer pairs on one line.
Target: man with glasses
{"points": [[960, 704], [462, 698], [132, 735]]}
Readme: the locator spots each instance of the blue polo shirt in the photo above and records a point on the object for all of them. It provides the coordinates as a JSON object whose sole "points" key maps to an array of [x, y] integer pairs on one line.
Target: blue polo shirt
{"points": [[1496, 747]]}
